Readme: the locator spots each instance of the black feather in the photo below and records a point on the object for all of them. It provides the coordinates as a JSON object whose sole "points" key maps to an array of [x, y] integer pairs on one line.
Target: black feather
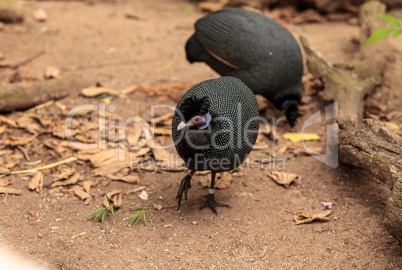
{"points": [[191, 106], [268, 57]]}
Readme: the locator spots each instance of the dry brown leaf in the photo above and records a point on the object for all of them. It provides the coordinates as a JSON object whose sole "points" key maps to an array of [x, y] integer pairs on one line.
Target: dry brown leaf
{"points": [[4, 170], [162, 131], [9, 122], [163, 118], [172, 165], [143, 151], [82, 194], [110, 168], [82, 138], [304, 217], [115, 196], [285, 179], [211, 7], [14, 141], [29, 123], [134, 133], [70, 181], [223, 180], [87, 185], [104, 157], [3, 128], [161, 154], [40, 15], [63, 173], [13, 191], [129, 178], [36, 182], [309, 15], [5, 181], [141, 188], [51, 72], [96, 91]]}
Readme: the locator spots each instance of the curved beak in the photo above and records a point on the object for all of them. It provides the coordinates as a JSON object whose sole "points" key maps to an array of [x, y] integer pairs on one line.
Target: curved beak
{"points": [[181, 126]]}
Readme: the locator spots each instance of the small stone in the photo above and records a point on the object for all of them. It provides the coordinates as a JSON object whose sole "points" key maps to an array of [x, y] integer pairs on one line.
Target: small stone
{"points": [[32, 213], [194, 223], [40, 235]]}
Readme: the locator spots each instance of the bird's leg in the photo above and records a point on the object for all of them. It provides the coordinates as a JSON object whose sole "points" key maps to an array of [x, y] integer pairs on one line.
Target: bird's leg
{"points": [[210, 198], [184, 187]]}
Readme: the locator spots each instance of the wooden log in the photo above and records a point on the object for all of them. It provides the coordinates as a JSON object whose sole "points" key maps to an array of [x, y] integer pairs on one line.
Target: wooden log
{"points": [[350, 84], [11, 11], [19, 96], [375, 148]]}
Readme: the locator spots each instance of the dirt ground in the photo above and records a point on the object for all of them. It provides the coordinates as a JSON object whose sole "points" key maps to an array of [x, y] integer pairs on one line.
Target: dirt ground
{"points": [[258, 232]]}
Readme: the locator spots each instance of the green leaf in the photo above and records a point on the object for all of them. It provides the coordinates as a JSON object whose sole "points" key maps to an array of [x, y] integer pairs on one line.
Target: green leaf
{"points": [[378, 35], [145, 219], [396, 33], [391, 20]]}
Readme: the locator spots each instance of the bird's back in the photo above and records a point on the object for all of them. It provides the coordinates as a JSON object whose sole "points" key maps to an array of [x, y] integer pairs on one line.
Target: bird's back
{"points": [[264, 50]]}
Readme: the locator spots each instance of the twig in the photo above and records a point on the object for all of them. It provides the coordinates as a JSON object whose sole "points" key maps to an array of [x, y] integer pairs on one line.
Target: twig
{"points": [[23, 62], [24, 152], [52, 165]]}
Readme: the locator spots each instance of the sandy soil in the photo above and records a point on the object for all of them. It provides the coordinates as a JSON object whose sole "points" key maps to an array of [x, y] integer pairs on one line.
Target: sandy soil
{"points": [[258, 231]]}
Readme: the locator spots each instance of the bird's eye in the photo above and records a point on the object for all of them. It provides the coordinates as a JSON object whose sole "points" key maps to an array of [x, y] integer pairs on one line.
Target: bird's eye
{"points": [[197, 119]]}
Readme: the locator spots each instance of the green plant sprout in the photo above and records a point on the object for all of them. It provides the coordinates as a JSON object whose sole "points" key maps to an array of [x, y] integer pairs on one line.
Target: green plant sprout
{"points": [[100, 214], [396, 30], [139, 215]]}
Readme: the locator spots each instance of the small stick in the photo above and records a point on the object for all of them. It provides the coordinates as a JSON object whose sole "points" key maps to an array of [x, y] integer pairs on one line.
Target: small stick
{"points": [[52, 165], [24, 152], [24, 61]]}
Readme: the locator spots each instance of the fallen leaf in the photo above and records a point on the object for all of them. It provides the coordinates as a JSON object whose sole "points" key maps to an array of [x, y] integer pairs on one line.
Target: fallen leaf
{"points": [[304, 217], [87, 185], [104, 157], [143, 195], [157, 206], [36, 182], [51, 72], [162, 131], [5, 181], [162, 118], [3, 128], [13, 191], [14, 141], [82, 194], [298, 137], [143, 151], [9, 122], [136, 189], [160, 153], [222, 180], [70, 181], [96, 91], [126, 177], [40, 15], [285, 179], [115, 196], [4, 170], [63, 173], [309, 15]]}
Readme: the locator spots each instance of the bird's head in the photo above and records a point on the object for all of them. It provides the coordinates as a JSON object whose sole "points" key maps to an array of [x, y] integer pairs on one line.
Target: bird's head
{"points": [[195, 112], [291, 111]]}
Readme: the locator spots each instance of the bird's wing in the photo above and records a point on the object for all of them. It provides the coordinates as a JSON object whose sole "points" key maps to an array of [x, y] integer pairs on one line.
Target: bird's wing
{"points": [[226, 40]]}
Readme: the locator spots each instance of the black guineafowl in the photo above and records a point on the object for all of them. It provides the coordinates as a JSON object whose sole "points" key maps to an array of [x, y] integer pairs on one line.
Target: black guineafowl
{"points": [[214, 128], [254, 48]]}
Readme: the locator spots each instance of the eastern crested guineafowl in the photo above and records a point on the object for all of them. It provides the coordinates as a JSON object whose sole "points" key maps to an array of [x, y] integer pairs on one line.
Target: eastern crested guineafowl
{"points": [[254, 48], [214, 128]]}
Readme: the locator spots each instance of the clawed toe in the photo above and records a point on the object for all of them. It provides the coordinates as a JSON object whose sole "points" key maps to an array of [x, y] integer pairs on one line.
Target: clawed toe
{"points": [[211, 203]]}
